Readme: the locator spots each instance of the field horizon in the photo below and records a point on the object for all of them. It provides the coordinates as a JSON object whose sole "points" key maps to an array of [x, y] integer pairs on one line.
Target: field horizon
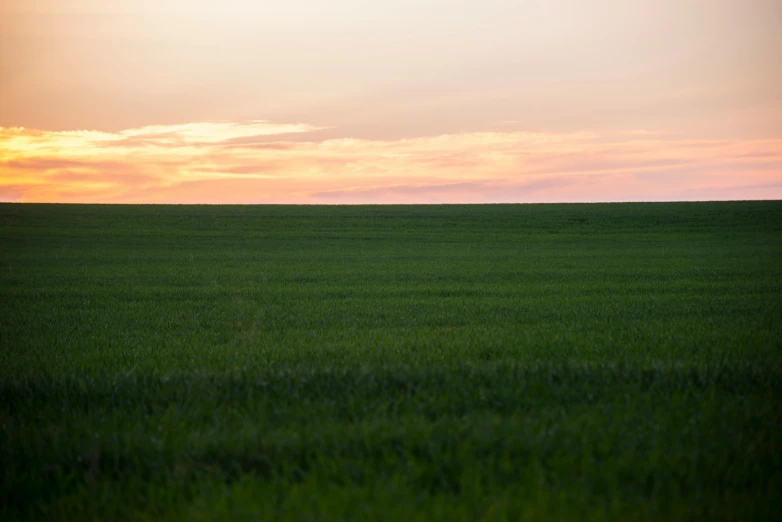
{"points": [[369, 204], [568, 361]]}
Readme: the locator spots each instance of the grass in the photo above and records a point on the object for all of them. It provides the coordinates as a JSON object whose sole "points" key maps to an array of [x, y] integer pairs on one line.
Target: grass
{"points": [[498, 362]]}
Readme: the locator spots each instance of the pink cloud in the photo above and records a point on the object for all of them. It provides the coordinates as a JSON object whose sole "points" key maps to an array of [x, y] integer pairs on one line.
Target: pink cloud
{"points": [[225, 163]]}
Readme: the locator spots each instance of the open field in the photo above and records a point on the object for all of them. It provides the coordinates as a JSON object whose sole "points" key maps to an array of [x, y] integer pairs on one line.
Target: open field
{"points": [[499, 362]]}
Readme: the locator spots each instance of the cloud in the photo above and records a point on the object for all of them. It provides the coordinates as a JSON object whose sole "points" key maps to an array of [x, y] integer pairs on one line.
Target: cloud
{"points": [[257, 161], [10, 193], [495, 191], [403, 191], [209, 133], [54, 164]]}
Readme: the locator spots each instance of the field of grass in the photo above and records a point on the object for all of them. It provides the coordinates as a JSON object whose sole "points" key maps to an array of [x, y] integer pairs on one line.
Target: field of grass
{"points": [[497, 362]]}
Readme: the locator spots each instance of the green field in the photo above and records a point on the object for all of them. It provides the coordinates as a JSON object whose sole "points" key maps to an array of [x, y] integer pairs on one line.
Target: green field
{"points": [[487, 362]]}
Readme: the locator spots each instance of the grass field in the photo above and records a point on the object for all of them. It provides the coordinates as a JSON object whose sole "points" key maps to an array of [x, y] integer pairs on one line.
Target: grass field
{"points": [[498, 362]]}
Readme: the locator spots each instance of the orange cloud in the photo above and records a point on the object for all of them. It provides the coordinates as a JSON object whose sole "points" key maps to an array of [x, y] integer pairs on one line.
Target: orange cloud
{"points": [[262, 162]]}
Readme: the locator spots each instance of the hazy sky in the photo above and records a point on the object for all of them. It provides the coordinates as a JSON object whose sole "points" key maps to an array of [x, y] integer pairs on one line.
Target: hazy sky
{"points": [[307, 101]]}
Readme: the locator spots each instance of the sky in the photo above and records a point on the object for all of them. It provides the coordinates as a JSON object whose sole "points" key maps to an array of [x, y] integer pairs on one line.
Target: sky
{"points": [[404, 101]]}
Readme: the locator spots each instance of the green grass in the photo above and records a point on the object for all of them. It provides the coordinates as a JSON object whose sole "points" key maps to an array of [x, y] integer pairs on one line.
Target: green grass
{"points": [[498, 362]]}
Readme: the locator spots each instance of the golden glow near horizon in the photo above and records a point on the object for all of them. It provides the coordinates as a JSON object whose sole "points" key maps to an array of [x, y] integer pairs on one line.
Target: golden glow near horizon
{"points": [[342, 101], [249, 163]]}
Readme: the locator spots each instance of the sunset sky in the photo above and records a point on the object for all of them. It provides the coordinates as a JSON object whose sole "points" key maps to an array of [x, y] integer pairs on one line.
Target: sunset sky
{"points": [[404, 101]]}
